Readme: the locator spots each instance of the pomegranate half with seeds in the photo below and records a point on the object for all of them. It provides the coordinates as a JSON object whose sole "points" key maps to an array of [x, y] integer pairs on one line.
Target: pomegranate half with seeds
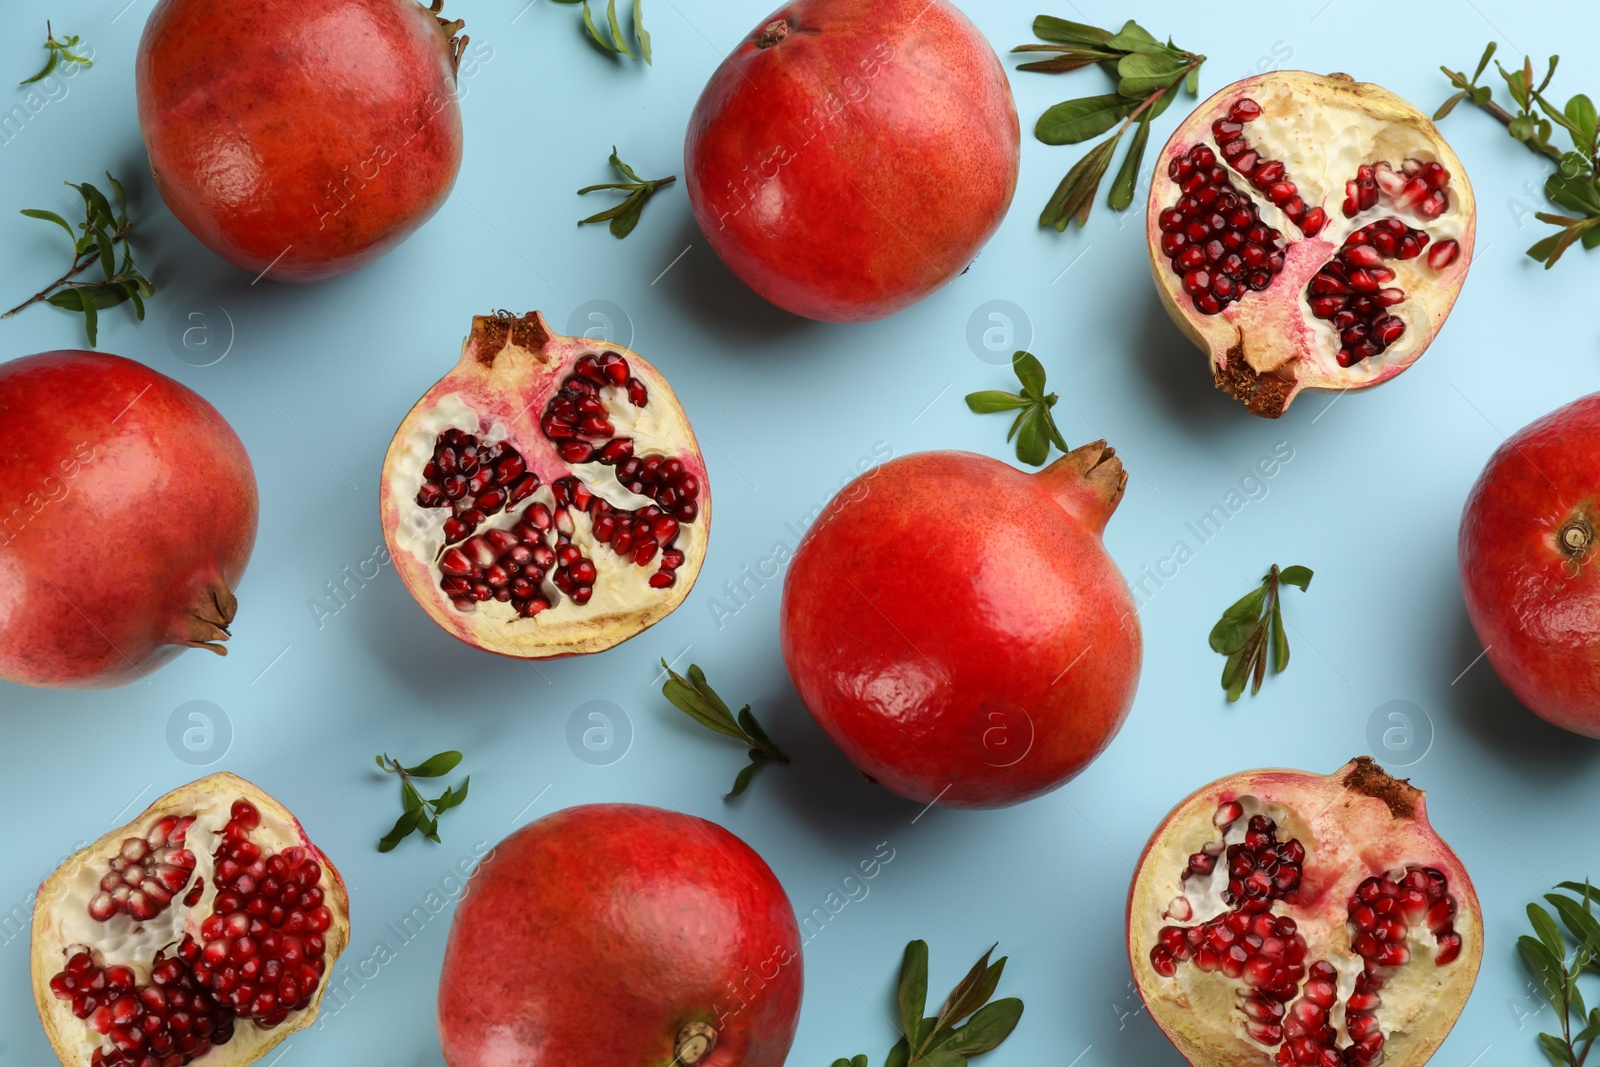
{"points": [[1528, 532], [620, 935], [201, 932], [547, 497], [958, 629], [1308, 232], [1285, 919]]}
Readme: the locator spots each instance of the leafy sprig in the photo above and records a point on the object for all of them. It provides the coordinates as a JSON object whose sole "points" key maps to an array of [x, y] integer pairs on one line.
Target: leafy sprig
{"points": [[104, 231], [942, 1040], [1034, 428], [1252, 629], [1148, 76], [625, 216], [421, 814], [695, 698], [616, 40], [1573, 185], [59, 52], [1556, 969]]}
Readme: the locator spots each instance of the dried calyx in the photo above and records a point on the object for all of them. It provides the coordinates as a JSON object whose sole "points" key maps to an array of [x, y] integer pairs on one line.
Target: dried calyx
{"points": [[200, 933], [547, 496], [1292, 919], [1308, 232]]}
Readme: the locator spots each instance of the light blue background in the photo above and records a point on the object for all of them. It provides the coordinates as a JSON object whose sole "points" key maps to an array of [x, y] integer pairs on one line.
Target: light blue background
{"points": [[317, 378]]}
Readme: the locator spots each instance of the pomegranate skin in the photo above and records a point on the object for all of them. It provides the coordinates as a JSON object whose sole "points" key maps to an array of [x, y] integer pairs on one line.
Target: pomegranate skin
{"points": [[857, 164], [979, 659], [1527, 554], [127, 514], [600, 933], [310, 147]]}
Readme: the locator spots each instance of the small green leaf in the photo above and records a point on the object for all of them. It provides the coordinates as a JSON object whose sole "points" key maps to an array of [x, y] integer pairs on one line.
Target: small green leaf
{"points": [[1074, 197], [1238, 622], [742, 782], [100, 211], [1135, 38], [1296, 576], [410, 799], [403, 828], [640, 32], [992, 1024], [594, 31], [1280, 642], [1548, 932], [121, 197], [50, 216], [912, 992], [1122, 189], [1191, 82], [1063, 61], [1578, 193], [1547, 971], [618, 38], [989, 401], [1580, 111], [1049, 28], [49, 68], [1556, 1049], [969, 994], [1483, 64], [1033, 440], [453, 797], [1449, 106], [1584, 927], [1030, 372], [436, 766], [1142, 73], [1074, 121], [625, 221]]}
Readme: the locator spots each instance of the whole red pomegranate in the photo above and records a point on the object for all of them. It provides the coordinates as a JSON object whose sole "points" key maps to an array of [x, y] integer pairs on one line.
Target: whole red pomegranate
{"points": [[127, 515], [1527, 553], [303, 144], [546, 497], [956, 626], [852, 156], [621, 934], [199, 933], [1308, 232], [1285, 919]]}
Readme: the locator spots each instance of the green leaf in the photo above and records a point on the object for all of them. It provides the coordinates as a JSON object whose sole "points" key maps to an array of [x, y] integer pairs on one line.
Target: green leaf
{"points": [[436, 766], [403, 828], [1122, 189], [594, 31], [1578, 193], [969, 994], [1238, 622], [1135, 38], [51, 216], [452, 798], [628, 218], [1483, 64], [1049, 28], [121, 197], [1590, 895], [1556, 1049], [1449, 106], [1074, 197], [900, 1055], [618, 38], [1142, 73], [746, 776], [1030, 372], [1073, 121], [640, 32], [410, 799], [1592, 1031], [989, 1027], [1547, 971], [1242, 667], [108, 258], [100, 215], [1580, 111], [1548, 932], [1063, 62], [1033, 440], [1191, 82], [912, 993], [1584, 927], [989, 401], [1296, 576], [1280, 642]]}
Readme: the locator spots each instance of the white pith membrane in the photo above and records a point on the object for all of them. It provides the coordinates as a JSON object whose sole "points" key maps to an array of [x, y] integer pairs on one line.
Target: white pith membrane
{"points": [[1264, 346], [63, 925], [1348, 837], [510, 372]]}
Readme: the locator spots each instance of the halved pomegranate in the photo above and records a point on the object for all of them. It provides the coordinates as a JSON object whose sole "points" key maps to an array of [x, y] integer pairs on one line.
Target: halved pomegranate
{"points": [[199, 933], [1285, 918], [1308, 232], [547, 497]]}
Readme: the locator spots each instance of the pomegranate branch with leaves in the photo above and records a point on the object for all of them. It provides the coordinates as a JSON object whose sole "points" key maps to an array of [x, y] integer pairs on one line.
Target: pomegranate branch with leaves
{"points": [[1148, 75]]}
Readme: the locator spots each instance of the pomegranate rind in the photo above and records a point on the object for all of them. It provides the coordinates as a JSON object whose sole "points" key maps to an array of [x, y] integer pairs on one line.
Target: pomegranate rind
{"points": [[508, 369], [1355, 823], [60, 897], [1265, 349], [1533, 598], [600, 933]]}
